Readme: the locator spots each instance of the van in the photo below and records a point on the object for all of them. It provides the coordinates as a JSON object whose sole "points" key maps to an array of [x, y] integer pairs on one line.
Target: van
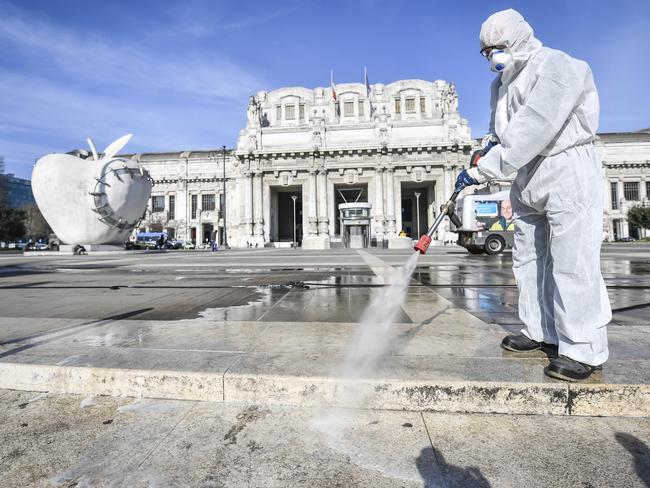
{"points": [[149, 239]]}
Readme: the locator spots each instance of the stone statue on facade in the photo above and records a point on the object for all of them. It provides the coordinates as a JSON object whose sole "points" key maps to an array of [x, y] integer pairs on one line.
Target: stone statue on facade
{"points": [[453, 95], [450, 99], [252, 141], [253, 112], [383, 126], [318, 131]]}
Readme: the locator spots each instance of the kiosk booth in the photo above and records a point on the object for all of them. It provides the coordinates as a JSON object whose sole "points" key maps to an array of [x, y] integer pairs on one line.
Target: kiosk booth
{"points": [[355, 224]]}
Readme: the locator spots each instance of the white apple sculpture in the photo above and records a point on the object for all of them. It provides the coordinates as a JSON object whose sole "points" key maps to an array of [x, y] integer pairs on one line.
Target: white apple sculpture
{"points": [[91, 201]]}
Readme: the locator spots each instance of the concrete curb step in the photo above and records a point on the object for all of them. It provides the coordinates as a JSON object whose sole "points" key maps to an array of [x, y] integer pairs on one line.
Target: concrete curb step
{"points": [[580, 399]]}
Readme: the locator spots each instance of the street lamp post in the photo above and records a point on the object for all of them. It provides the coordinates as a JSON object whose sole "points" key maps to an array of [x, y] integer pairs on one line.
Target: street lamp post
{"points": [[294, 198], [223, 207], [417, 210]]}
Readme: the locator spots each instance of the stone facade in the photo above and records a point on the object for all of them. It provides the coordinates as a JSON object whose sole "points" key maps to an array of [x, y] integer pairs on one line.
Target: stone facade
{"points": [[187, 193], [626, 161], [383, 146], [383, 143]]}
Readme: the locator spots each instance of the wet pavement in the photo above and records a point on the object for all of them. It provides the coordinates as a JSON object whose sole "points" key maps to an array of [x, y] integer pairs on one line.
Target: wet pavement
{"points": [[284, 285], [274, 325]]}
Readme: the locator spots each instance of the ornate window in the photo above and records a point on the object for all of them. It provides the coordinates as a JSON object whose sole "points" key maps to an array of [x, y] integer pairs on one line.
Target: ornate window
{"points": [[290, 112], [614, 189], [361, 108], [398, 106], [278, 112], [631, 190], [410, 105], [348, 109], [423, 105], [158, 203], [194, 205], [172, 207], [301, 112], [208, 201]]}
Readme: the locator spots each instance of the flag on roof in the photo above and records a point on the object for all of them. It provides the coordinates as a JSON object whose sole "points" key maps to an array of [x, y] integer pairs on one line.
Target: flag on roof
{"points": [[368, 91], [332, 84]]}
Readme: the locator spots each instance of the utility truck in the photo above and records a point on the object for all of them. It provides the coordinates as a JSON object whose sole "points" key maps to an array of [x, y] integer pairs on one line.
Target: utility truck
{"points": [[486, 221]]}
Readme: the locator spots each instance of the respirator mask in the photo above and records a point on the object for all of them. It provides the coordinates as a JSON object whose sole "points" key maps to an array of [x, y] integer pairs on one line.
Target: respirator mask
{"points": [[500, 60]]}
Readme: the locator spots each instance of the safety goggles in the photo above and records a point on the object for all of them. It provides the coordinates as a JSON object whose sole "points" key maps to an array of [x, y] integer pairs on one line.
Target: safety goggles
{"points": [[486, 51]]}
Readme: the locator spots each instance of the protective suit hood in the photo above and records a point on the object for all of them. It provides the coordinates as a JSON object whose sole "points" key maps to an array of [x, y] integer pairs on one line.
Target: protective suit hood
{"points": [[508, 28]]}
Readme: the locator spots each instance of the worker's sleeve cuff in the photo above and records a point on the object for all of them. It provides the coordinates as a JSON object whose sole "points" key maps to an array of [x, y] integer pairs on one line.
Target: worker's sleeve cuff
{"points": [[491, 166], [488, 138], [476, 174]]}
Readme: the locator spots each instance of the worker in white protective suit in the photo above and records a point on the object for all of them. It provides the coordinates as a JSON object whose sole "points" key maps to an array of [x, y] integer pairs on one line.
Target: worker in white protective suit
{"points": [[544, 119]]}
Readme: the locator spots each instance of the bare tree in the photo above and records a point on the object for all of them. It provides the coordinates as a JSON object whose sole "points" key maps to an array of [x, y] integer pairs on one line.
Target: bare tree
{"points": [[35, 224]]}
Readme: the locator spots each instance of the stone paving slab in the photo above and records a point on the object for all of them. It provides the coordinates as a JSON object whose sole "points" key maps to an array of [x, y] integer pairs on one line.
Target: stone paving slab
{"points": [[243, 383], [452, 363], [71, 440]]}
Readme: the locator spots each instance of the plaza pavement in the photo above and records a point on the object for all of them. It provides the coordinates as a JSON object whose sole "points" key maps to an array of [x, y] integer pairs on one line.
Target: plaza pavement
{"points": [[65, 441], [270, 327]]}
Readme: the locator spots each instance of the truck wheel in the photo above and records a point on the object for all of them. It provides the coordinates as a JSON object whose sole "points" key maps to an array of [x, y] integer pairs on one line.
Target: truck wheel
{"points": [[494, 245], [475, 250]]}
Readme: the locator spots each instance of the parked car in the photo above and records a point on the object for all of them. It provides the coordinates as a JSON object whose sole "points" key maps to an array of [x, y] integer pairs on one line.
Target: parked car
{"points": [[135, 245], [40, 246], [185, 244], [173, 244]]}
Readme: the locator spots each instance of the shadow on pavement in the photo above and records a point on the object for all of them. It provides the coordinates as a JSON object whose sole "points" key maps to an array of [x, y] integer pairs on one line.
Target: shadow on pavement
{"points": [[454, 476], [640, 453]]}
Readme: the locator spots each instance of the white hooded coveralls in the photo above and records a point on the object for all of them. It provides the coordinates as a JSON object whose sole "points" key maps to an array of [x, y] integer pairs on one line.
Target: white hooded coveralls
{"points": [[545, 115]]}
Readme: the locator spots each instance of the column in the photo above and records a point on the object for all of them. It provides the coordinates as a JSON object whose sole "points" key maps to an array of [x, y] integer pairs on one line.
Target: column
{"points": [[247, 221], [312, 228], [379, 203], [450, 180], [257, 202], [643, 194], [622, 208], [449, 184], [607, 210], [323, 221], [620, 195], [390, 200]]}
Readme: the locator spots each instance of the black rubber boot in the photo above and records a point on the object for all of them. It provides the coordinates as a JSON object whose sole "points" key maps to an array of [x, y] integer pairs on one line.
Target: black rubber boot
{"points": [[520, 343], [567, 369]]}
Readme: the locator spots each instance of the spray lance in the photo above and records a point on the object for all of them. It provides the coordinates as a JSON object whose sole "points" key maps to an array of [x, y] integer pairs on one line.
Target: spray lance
{"points": [[449, 208]]}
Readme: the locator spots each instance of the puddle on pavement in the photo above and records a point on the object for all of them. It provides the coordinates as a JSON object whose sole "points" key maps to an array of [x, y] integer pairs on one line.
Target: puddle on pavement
{"points": [[261, 300]]}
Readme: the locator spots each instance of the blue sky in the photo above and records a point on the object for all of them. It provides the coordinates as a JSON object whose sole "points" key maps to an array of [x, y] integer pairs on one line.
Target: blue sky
{"points": [[178, 74]]}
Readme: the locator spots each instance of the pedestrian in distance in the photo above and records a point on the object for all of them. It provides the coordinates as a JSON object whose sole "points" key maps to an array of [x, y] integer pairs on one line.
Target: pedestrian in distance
{"points": [[545, 113]]}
